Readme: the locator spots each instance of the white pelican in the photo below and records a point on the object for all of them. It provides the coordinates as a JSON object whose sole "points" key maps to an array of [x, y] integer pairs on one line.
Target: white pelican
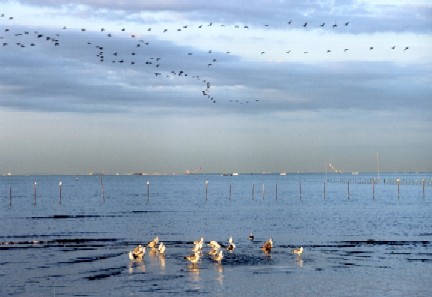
{"points": [[152, 244], [214, 244], [137, 253], [198, 245], [298, 251], [267, 246], [218, 257], [161, 249], [201, 241], [194, 258], [231, 245]]}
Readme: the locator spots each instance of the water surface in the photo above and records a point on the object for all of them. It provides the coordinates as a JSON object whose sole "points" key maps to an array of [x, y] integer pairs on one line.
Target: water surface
{"points": [[361, 239]]}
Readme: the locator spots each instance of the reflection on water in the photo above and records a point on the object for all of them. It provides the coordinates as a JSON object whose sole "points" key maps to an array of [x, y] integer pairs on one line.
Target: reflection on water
{"points": [[299, 261], [162, 262], [195, 276], [220, 275], [136, 266]]}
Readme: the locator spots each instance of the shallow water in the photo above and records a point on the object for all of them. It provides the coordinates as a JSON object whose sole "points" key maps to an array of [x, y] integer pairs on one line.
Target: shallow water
{"points": [[372, 241]]}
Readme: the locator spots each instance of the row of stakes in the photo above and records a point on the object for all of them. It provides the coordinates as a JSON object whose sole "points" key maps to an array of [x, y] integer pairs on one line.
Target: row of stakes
{"points": [[206, 190]]}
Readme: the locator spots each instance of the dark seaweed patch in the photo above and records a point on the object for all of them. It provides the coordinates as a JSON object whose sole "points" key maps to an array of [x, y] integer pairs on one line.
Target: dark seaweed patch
{"points": [[387, 242], [92, 259], [105, 273], [420, 260], [236, 259]]}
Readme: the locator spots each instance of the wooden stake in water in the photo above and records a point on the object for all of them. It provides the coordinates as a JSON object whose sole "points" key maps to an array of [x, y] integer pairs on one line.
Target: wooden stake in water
{"points": [[206, 189], [34, 192], [373, 189], [102, 187], [348, 190], [276, 192], [253, 191], [230, 192], [398, 181], [10, 195], [300, 190], [423, 184], [148, 191], [324, 190], [60, 192]]}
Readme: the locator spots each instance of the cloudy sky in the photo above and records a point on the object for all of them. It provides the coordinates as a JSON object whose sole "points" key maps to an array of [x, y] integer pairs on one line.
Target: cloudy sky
{"points": [[217, 86]]}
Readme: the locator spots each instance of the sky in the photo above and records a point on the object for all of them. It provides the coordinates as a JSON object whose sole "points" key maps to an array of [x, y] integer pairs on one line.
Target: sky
{"points": [[215, 86]]}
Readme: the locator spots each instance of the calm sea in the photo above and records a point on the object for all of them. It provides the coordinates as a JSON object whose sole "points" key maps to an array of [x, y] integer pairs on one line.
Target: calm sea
{"points": [[362, 236]]}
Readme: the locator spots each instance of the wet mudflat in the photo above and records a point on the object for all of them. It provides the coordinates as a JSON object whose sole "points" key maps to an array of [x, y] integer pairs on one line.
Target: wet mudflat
{"points": [[362, 241]]}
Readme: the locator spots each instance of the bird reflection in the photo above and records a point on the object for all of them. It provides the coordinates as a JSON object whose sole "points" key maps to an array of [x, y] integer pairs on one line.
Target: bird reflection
{"points": [[220, 276], [136, 266], [194, 272], [162, 262], [299, 261]]}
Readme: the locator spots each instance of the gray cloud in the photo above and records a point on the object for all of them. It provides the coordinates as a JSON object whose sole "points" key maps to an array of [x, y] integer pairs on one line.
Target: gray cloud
{"points": [[367, 17]]}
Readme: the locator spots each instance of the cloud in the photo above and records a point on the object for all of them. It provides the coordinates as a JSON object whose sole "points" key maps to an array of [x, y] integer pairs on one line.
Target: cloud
{"points": [[311, 84], [369, 16]]}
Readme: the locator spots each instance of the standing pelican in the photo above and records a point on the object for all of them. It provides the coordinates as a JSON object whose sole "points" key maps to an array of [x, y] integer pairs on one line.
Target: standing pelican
{"points": [[137, 253], [162, 249], [267, 246], [194, 258], [218, 258], [231, 246], [152, 244], [298, 251]]}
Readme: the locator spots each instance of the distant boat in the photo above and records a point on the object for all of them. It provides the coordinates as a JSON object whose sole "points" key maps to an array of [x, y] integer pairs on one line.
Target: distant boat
{"points": [[235, 174], [354, 173], [282, 173]]}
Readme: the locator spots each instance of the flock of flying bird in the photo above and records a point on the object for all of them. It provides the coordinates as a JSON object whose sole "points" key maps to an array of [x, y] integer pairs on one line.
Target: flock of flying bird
{"points": [[133, 56], [215, 253]]}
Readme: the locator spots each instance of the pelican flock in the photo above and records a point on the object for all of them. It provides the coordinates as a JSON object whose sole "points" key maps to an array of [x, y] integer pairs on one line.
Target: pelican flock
{"points": [[215, 251], [108, 46]]}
